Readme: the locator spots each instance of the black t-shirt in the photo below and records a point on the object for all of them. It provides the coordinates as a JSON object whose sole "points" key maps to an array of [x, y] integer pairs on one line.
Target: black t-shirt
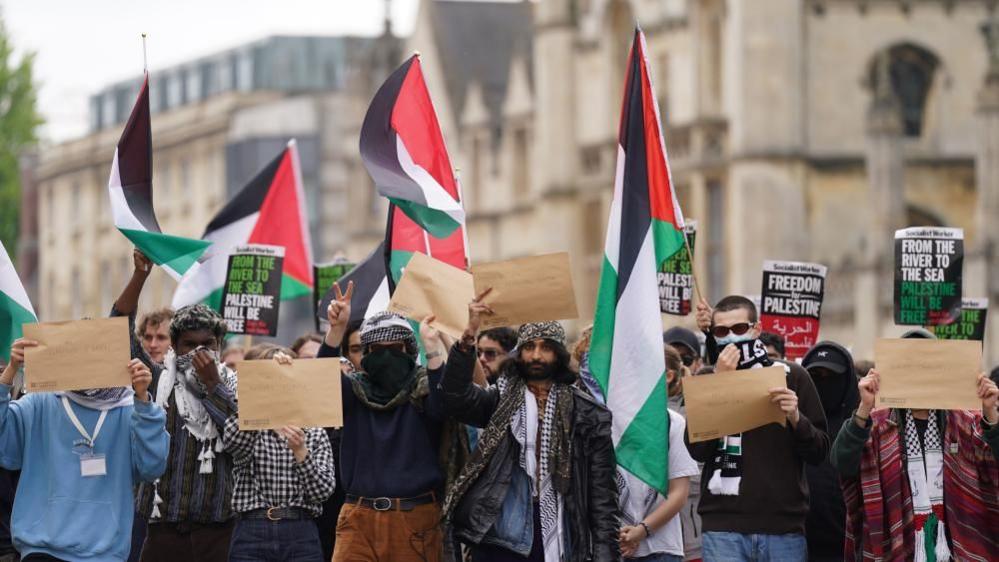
{"points": [[921, 426]]}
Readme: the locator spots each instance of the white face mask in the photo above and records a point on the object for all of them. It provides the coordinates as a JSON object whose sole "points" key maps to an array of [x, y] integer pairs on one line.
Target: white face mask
{"points": [[732, 338]]}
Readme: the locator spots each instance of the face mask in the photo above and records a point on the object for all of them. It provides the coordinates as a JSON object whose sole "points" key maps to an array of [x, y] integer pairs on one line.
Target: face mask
{"points": [[185, 363], [732, 338], [389, 371]]}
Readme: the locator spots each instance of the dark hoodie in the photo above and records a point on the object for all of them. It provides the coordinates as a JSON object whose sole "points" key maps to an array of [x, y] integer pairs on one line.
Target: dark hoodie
{"points": [[827, 514]]}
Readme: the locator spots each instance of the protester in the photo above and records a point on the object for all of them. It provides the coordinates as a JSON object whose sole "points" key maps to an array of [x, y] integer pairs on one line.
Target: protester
{"points": [[541, 484], [307, 345], [754, 496], [154, 331], [80, 454], [652, 531], [687, 345], [190, 507], [351, 346], [920, 484], [8, 487], [394, 440], [774, 344], [281, 477], [581, 357], [493, 348], [831, 367]]}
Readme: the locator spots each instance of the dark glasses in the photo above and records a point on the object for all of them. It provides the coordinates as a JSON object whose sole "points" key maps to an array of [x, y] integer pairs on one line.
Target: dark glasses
{"points": [[488, 354], [687, 360], [738, 329]]}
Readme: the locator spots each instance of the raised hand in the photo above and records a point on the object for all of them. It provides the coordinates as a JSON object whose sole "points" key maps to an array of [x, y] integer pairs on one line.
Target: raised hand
{"points": [[868, 387], [788, 402], [142, 377], [16, 359], [296, 441], [282, 358], [206, 368], [989, 395], [476, 309], [703, 315], [428, 333], [728, 359], [338, 314], [142, 264]]}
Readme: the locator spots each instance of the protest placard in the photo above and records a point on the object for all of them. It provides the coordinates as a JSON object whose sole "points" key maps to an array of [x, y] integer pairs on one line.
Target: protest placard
{"points": [[251, 296], [729, 403], [931, 374], [305, 393], [791, 303], [77, 355], [532, 289], [433, 288], [324, 275], [928, 275], [970, 324], [676, 277]]}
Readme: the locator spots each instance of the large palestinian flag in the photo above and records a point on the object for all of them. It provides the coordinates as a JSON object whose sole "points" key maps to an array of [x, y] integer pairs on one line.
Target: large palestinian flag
{"points": [[372, 286], [403, 149], [270, 209], [15, 308], [131, 190], [645, 228]]}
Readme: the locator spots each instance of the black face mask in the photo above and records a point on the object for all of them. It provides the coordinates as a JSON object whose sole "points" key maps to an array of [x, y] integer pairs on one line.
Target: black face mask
{"points": [[832, 391], [389, 372]]}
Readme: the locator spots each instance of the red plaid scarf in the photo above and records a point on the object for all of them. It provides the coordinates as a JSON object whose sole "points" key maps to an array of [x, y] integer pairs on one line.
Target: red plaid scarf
{"points": [[879, 517]]}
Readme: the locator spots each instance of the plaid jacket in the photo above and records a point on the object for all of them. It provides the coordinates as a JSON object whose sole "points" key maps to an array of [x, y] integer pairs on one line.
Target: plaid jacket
{"points": [[879, 514]]}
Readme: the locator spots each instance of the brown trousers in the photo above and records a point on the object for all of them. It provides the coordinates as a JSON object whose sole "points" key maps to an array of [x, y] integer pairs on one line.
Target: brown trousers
{"points": [[192, 542], [366, 535]]}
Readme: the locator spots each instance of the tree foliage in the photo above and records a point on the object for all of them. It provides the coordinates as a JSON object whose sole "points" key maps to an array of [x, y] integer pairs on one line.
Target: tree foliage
{"points": [[19, 122]]}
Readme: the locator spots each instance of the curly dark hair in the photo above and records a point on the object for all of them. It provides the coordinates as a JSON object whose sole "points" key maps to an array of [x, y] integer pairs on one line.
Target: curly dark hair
{"points": [[561, 372], [196, 317], [504, 336]]}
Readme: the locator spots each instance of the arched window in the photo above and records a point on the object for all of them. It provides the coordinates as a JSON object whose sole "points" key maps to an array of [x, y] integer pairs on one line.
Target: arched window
{"points": [[912, 70]]}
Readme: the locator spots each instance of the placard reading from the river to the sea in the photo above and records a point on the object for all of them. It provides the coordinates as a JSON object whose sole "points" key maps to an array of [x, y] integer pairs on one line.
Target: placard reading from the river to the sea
{"points": [[928, 274], [791, 302], [251, 295], [676, 276], [305, 393], [970, 325], [77, 355]]}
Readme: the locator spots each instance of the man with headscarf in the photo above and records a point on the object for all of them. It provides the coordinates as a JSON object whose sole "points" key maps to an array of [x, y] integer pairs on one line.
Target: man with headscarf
{"points": [[920, 484], [393, 432], [831, 367], [80, 454], [540, 486]]}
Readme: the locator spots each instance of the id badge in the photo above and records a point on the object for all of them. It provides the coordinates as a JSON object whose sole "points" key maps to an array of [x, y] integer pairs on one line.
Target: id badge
{"points": [[92, 465]]}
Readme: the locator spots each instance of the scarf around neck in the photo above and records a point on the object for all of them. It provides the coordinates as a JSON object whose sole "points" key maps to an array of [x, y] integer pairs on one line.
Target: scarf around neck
{"points": [[924, 466], [102, 398]]}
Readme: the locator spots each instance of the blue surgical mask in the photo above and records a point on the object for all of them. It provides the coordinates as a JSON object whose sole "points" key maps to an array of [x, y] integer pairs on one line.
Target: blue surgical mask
{"points": [[732, 338]]}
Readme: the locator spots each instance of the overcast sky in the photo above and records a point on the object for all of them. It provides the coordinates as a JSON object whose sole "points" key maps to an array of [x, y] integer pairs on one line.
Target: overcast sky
{"points": [[83, 45]]}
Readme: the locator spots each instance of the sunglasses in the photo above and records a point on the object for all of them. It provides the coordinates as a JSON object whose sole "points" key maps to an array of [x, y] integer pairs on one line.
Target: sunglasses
{"points": [[488, 354], [687, 360], [738, 329]]}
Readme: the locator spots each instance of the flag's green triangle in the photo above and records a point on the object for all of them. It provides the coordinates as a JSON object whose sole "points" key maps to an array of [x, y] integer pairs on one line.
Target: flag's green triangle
{"points": [[166, 250], [292, 288], [438, 223], [12, 317]]}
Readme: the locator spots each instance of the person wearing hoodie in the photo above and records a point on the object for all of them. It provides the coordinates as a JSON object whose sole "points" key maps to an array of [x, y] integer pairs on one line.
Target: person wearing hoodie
{"points": [[80, 454], [831, 367]]}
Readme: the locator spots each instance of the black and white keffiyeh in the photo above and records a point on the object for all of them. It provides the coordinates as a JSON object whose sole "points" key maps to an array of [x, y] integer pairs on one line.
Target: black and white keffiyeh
{"points": [[386, 327], [924, 465]]}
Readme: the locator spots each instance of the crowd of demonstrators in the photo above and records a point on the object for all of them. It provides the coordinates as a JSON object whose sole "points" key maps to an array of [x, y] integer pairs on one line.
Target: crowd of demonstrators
{"points": [[165, 459], [754, 494]]}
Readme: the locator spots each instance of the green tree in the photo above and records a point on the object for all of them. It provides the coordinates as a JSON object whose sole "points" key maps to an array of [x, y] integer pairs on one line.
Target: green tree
{"points": [[19, 121]]}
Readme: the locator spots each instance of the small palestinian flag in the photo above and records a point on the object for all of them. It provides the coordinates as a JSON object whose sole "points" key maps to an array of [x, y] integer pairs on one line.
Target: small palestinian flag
{"points": [[645, 228], [131, 190], [270, 209], [403, 149], [15, 308]]}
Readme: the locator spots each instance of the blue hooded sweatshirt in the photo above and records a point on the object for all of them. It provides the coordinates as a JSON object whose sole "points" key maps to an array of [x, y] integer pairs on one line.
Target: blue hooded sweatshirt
{"points": [[59, 512]]}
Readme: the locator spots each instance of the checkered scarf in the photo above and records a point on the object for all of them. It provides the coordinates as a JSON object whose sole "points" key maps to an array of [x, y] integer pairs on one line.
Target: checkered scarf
{"points": [[386, 327], [925, 469], [552, 331]]}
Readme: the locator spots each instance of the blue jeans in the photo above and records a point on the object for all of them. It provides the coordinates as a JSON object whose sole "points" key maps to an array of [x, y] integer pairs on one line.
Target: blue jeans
{"points": [[288, 540], [737, 547], [658, 557]]}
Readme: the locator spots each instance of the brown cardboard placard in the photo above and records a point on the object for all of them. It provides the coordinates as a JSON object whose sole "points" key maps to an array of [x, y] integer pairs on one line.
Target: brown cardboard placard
{"points": [[77, 355], [928, 374], [733, 402], [531, 289], [432, 287], [304, 394]]}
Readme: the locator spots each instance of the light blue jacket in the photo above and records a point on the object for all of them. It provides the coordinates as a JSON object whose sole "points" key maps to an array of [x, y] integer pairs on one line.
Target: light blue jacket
{"points": [[56, 510]]}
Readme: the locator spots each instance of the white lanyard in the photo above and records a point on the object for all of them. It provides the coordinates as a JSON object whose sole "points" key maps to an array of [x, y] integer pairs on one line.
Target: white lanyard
{"points": [[79, 426]]}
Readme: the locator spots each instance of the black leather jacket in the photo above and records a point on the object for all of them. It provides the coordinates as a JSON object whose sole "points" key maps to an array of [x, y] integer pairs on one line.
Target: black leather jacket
{"points": [[591, 504]]}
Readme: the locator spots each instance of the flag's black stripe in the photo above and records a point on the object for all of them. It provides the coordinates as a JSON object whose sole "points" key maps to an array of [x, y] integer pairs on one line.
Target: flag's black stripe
{"points": [[250, 198], [367, 277], [379, 152], [387, 248], [135, 163], [636, 210]]}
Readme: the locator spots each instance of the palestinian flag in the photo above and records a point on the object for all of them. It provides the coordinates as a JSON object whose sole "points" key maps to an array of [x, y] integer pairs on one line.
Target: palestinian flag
{"points": [[403, 149], [645, 229], [131, 190], [15, 308], [373, 287], [270, 209]]}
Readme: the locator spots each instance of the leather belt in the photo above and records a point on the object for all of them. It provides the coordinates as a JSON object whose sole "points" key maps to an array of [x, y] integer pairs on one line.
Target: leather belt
{"points": [[390, 504], [276, 513]]}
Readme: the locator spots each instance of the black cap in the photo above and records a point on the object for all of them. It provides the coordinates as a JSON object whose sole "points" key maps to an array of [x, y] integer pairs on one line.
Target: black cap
{"points": [[827, 357], [684, 337], [919, 334]]}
